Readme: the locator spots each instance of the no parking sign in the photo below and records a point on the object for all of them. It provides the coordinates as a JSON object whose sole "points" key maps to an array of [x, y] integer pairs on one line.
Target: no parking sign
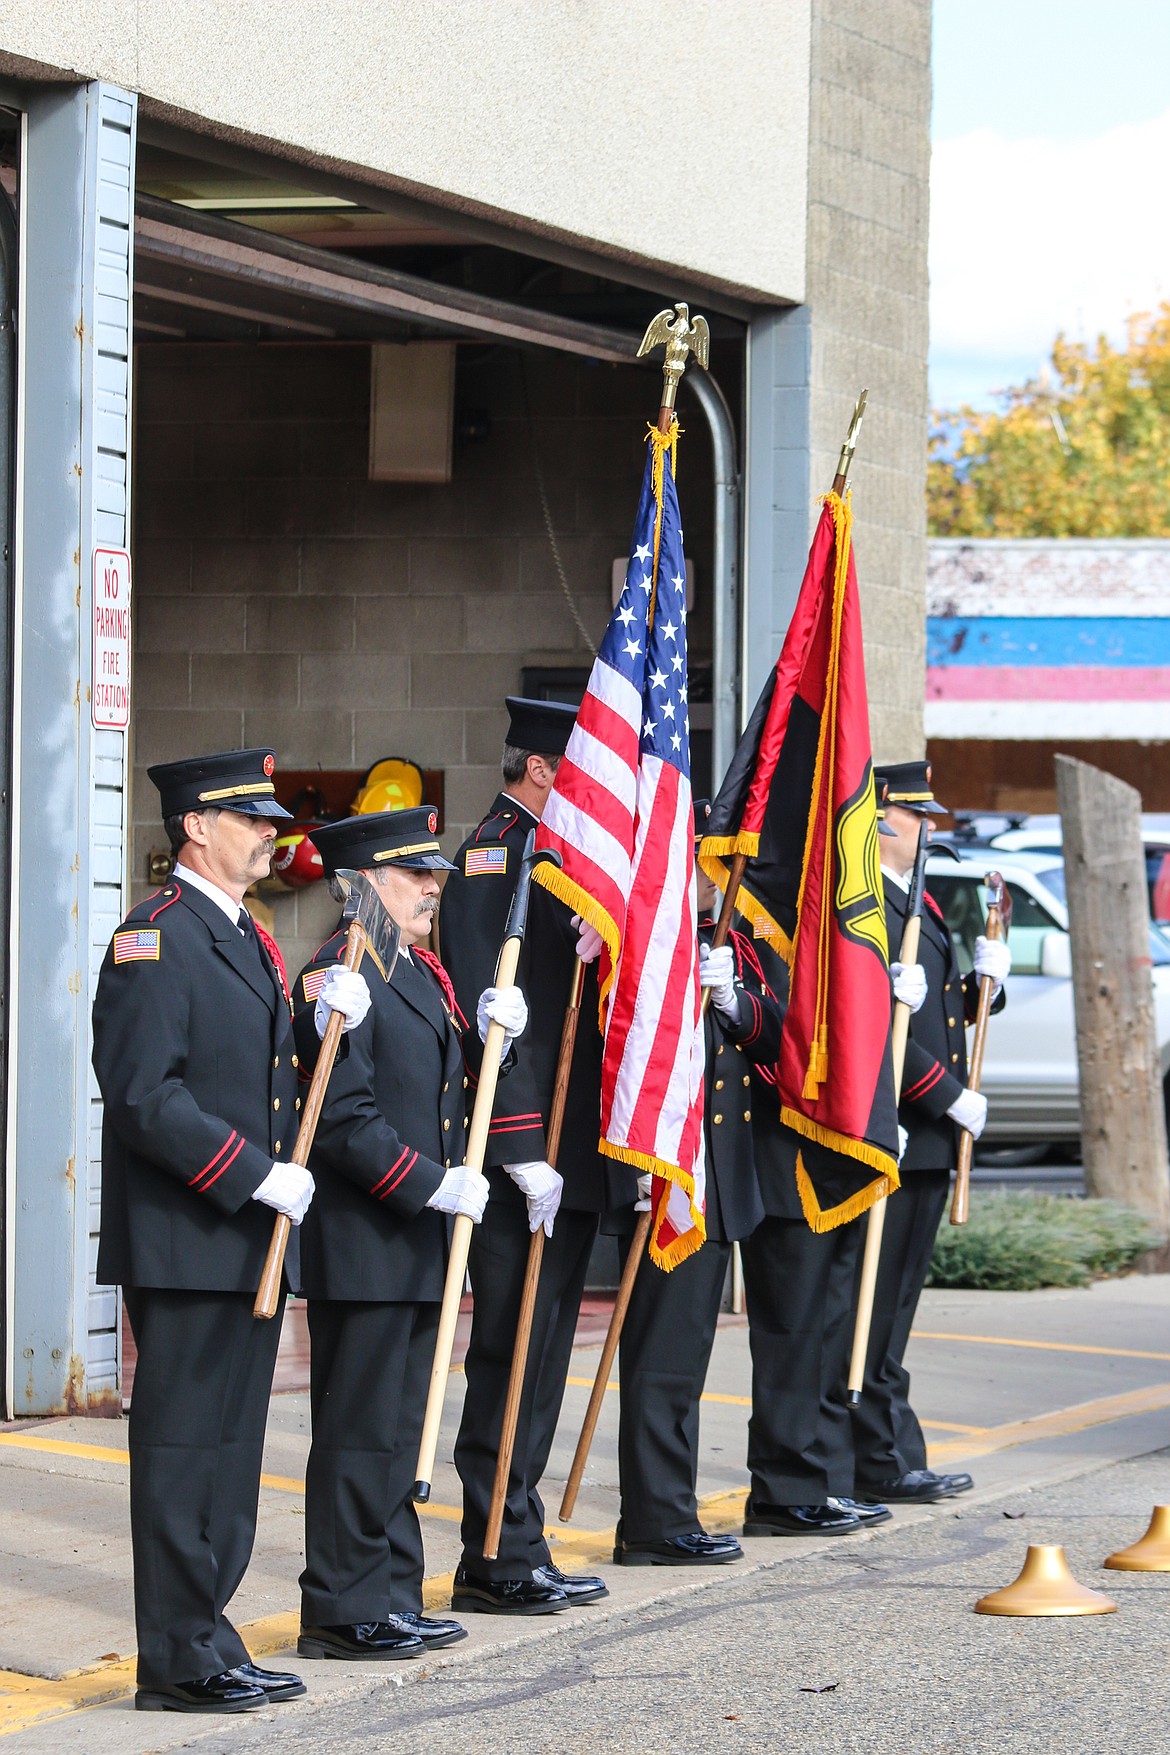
{"points": [[110, 690]]}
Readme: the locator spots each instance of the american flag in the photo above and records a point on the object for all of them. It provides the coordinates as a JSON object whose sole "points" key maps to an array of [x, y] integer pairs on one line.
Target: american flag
{"points": [[620, 816]]}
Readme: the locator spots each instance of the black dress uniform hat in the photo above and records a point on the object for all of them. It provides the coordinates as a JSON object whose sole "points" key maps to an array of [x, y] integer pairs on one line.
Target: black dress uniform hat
{"points": [[233, 780], [384, 837], [702, 808], [542, 727], [907, 784]]}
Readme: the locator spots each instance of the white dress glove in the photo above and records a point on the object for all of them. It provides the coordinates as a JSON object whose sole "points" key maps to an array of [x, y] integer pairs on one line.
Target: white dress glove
{"points": [[909, 984], [994, 959], [344, 991], [288, 1189], [589, 941], [903, 1142], [540, 1185], [969, 1109], [461, 1191], [502, 1005], [645, 1190], [717, 971]]}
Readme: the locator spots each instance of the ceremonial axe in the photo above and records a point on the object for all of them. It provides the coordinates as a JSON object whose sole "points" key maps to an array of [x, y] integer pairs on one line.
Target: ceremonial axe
{"points": [[371, 934]]}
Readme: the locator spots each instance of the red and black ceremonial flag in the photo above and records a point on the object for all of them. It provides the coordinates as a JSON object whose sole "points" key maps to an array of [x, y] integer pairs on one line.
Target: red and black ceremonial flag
{"points": [[798, 802]]}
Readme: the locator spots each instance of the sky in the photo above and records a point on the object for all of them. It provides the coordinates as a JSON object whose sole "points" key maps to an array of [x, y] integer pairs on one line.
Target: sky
{"points": [[1050, 182]]}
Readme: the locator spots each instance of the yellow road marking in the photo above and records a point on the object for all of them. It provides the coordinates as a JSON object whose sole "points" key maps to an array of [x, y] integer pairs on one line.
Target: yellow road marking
{"points": [[921, 1334], [1060, 1423]]}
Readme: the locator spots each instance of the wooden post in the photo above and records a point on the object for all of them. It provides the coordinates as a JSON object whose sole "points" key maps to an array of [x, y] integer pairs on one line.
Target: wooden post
{"points": [[1123, 1121]]}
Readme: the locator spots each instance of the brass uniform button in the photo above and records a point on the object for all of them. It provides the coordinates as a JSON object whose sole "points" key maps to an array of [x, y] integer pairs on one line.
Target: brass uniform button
{"points": [[719, 1050], [465, 1083], [747, 1078], [276, 1062], [276, 1147], [717, 1119], [951, 1022], [954, 1058], [297, 1104], [718, 1084], [295, 1061], [747, 1114], [445, 1090], [446, 1163], [466, 1122], [276, 1102], [446, 1124]]}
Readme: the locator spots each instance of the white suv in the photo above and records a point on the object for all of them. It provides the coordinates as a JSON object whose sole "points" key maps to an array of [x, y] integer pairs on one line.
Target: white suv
{"points": [[1030, 1064]]}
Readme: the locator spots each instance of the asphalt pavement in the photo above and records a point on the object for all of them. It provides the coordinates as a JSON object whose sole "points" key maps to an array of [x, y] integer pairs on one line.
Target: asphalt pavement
{"points": [[1044, 1396]]}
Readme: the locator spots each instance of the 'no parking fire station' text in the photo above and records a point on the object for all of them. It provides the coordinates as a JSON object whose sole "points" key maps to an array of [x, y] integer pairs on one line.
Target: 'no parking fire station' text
{"points": [[110, 693]]}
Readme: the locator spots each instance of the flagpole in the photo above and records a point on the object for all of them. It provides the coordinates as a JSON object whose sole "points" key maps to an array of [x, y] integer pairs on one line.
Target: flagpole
{"points": [[495, 1522], [682, 338]]}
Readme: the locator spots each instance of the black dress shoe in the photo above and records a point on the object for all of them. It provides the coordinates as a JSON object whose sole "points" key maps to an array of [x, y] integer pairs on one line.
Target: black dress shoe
{"points": [[505, 1596], [276, 1684], [866, 1515], [798, 1520], [223, 1693], [695, 1549], [432, 1632], [360, 1640], [579, 1587], [916, 1487]]}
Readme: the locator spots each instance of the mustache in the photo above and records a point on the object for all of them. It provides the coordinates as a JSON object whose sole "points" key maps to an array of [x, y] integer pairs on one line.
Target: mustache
{"points": [[426, 905]]}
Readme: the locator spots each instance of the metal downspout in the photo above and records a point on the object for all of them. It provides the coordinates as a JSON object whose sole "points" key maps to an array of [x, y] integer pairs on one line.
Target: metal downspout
{"points": [[725, 639]]}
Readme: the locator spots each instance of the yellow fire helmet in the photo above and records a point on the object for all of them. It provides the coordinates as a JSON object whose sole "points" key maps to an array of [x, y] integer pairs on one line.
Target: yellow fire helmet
{"points": [[392, 784]]}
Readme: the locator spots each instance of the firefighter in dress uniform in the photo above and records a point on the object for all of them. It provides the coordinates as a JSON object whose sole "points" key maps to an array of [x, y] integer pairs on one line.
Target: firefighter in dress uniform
{"points": [[670, 1324], [888, 1444], [195, 1058], [388, 1158], [525, 1191]]}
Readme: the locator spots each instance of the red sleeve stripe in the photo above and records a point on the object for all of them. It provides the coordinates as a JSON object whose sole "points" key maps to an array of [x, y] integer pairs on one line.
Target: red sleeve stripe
{"points": [[926, 1083], [214, 1161], [758, 1016], [226, 1165], [534, 1116], [402, 1154], [405, 1171], [521, 1126]]}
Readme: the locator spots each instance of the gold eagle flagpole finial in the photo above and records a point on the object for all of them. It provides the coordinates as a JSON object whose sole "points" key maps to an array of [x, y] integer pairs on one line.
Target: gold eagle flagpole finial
{"points": [[680, 336]]}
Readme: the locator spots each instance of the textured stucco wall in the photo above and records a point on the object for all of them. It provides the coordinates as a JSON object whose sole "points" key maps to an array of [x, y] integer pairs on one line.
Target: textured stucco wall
{"points": [[869, 172], [673, 136]]}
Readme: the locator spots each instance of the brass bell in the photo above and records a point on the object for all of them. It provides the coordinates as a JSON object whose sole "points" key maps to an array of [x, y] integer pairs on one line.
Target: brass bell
{"points": [[1045, 1587], [1152, 1553]]}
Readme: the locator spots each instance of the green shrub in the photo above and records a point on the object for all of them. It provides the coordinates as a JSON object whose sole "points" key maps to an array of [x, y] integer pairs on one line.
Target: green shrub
{"points": [[1019, 1241]]}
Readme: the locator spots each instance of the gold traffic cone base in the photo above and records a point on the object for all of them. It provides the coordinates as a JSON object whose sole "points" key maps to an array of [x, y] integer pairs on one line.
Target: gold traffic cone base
{"points": [[1152, 1553], [1045, 1587]]}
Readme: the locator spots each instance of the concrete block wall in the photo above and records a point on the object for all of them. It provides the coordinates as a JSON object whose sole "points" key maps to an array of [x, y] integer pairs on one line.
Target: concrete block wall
{"points": [[869, 168], [284, 599]]}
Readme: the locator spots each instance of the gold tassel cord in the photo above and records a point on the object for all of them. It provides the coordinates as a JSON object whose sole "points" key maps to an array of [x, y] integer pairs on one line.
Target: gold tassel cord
{"points": [[662, 443]]}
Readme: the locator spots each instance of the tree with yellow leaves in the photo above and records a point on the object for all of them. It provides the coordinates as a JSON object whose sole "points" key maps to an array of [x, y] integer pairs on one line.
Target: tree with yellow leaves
{"points": [[1081, 450]]}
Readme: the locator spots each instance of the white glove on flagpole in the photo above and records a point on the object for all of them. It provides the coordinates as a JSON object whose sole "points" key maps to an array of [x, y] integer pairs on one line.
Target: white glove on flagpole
{"points": [[645, 1192], [909, 981], [903, 1142], [287, 1189], [345, 991], [969, 1109], [589, 942], [717, 971], [502, 1005], [541, 1186], [462, 1190], [993, 959]]}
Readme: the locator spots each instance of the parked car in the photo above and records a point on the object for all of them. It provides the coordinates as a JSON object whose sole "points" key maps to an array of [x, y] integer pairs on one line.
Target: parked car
{"points": [[1043, 834], [1030, 1065]]}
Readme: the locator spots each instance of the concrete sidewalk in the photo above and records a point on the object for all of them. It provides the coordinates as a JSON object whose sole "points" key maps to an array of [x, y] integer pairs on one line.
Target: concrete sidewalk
{"points": [[1026, 1389]]}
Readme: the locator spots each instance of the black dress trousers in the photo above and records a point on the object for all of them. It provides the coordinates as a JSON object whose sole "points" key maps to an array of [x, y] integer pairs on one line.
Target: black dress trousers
{"points": [[370, 1368], [665, 1350], [799, 1288], [196, 1435], [499, 1255], [887, 1438]]}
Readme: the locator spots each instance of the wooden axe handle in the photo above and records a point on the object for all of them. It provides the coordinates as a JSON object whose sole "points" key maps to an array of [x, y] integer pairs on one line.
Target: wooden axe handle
{"points": [[268, 1294], [961, 1198], [461, 1233]]}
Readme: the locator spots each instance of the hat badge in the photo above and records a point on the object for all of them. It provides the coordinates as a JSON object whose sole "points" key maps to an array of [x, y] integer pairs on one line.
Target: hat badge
{"points": [[433, 821], [269, 765]]}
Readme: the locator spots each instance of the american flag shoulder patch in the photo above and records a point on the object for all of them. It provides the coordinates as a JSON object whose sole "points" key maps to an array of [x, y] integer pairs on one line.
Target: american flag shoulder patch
{"points": [[481, 861], [313, 980], [140, 946]]}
